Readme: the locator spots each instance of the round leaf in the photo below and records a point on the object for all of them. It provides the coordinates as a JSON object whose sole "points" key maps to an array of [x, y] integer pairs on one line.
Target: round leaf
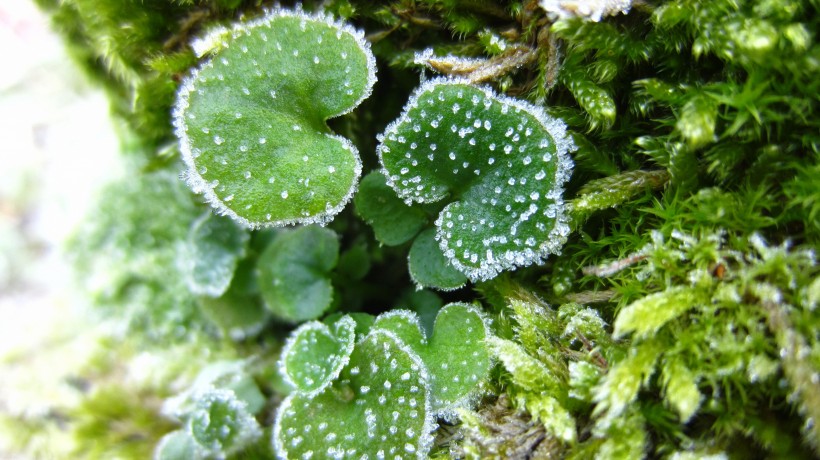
{"points": [[499, 162], [315, 354], [294, 273], [251, 119]]}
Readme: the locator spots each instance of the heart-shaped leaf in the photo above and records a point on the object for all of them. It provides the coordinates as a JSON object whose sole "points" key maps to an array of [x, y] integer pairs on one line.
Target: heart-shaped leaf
{"points": [[294, 273], [251, 119], [239, 313], [456, 356], [315, 354], [221, 424], [379, 408], [214, 247], [500, 162]]}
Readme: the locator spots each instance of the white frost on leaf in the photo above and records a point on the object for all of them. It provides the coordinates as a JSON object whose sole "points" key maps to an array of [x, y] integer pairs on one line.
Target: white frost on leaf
{"points": [[592, 10]]}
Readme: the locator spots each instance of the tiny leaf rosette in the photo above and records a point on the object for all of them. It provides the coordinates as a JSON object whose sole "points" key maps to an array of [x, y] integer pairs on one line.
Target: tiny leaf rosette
{"points": [[378, 408], [500, 162], [251, 119]]}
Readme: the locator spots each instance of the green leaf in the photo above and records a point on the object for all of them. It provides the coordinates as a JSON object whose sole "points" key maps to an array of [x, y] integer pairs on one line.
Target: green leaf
{"points": [[647, 315], [214, 247], [221, 424], [294, 273], [239, 313], [251, 119], [499, 163], [378, 408], [176, 445], [392, 220], [230, 375], [456, 355], [429, 267], [315, 354]]}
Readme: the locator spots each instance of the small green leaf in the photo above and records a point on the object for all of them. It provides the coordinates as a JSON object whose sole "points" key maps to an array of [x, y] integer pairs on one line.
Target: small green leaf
{"points": [[221, 424], [214, 247], [294, 273], [428, 266], [230, 375], [315, 354], [500, 164], [239, 313], [392, 220], [378, 408], [456, 355], [251, 119], [176, 445]]}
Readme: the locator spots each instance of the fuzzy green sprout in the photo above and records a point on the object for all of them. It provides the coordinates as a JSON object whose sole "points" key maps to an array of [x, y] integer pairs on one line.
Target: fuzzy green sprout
{"points": [[251, 119]]}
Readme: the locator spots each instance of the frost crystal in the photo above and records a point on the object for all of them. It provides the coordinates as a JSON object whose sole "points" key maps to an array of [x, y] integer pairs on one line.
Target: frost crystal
{"points": [[593, 10]]}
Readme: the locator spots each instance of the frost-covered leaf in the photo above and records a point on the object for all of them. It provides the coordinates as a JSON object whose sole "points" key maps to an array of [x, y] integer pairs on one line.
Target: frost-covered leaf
{"points": [[429, 267], [593, 10], [239, 313], [294, 273], [315, 354], [230, 375], [221, 424], [646, 315], [456, 355], [393, 221], [176, 445], [214, 247], [251, 119], [500, 163], [378, 408]]}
